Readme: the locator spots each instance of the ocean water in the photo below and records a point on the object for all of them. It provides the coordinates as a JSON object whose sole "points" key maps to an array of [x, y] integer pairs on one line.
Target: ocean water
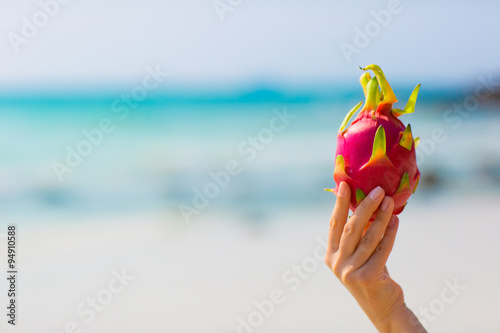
{"points": [[159, 154]]}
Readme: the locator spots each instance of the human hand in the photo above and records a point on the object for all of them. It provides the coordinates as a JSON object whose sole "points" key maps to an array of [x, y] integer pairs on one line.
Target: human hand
{"points": [[358, 259]]}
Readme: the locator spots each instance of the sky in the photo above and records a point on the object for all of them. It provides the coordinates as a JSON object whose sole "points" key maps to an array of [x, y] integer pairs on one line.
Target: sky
{"points": [[93, 43]]}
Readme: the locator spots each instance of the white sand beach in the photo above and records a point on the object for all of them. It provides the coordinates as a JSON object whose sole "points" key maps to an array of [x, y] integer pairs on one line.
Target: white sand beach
{"points": [[202, 277]]}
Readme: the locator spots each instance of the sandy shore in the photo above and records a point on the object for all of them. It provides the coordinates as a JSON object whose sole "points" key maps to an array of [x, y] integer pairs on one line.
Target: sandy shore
{"points": [[152, 273]]}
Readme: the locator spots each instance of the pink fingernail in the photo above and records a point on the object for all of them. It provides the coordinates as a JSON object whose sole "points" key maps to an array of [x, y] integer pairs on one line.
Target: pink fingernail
{"points": [[392, 222], [385, 204], [376, 193], [342, 189]]}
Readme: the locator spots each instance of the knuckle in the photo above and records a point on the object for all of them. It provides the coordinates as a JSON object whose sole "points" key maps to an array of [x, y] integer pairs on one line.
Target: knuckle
{"points": [[346, 278], [364, 278], [333, 222], [367, 240], [332, 261], [382, 249], [328, 260], [337, 270], [361, 278], [349, 229]]}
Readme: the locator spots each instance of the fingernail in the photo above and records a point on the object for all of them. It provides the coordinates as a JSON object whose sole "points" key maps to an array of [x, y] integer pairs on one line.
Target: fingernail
{"points": [[376, 193], [342, 189], [385, 203], [392, 222]]}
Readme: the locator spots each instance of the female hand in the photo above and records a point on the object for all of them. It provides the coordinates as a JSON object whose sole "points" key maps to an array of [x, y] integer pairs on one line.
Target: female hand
{"points": [[358, 260]]}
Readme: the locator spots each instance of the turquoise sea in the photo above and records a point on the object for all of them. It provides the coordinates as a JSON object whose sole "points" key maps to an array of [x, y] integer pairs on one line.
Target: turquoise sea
{"points": [[158, 152]]}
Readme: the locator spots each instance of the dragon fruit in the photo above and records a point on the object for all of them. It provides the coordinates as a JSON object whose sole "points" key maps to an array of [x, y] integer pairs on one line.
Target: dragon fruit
{"points": [[377, 149]]}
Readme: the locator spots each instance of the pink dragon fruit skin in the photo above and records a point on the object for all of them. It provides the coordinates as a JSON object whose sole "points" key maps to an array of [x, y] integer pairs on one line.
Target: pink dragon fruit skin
{"points": [[377, 149]]}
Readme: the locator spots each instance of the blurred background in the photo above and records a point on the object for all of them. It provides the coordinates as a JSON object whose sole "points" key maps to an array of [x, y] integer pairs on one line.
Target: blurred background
{"points": [[184, 146]]}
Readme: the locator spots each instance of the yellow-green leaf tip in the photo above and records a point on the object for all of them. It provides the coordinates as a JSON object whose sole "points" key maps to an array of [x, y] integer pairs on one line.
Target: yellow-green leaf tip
{"points": [[406, 139], [417, 142], [360, 195], [339, 165], [388, 96], [349, 116], [405, 184], [410, 105], [372, 95], [416, 184], [379, 156], [364, 79], [379, 143]]}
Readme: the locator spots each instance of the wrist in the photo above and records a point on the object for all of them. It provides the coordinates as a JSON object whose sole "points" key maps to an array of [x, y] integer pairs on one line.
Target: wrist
{"points": [[401, 320]]}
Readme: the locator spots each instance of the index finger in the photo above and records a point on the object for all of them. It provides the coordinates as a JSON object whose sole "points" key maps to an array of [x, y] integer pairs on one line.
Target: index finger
{"points": [[353, 229], [339, 216]]}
